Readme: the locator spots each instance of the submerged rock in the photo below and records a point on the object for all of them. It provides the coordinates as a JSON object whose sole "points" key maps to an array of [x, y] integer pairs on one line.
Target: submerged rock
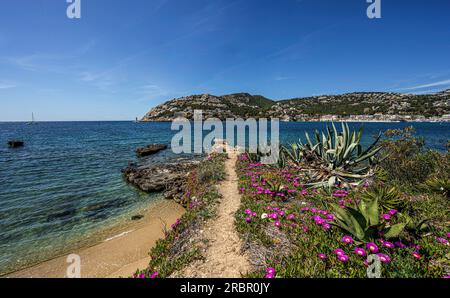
{"points": [[15, 144], [168, 178], [137, 217], [150, 149]]}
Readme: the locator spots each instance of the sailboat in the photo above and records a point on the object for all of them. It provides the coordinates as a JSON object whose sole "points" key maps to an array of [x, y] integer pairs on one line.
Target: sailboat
{"points": [[32, 120]]}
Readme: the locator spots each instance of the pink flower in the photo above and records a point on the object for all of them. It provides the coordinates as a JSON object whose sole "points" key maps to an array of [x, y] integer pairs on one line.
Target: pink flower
{"points": [[326, 226], [372, 247], [360, 251], [448, 235], [248, 211], [271, 270], [254, 214], [399, 244], [291, 216], [384, 258], [347, 240], [386, 217], [322, 256], [416, 255], [442, 240], [273, 216], [248, 219], [393, 212], [342, 258], [339, 252], [388, 244], [154, 275], [277, 223]]}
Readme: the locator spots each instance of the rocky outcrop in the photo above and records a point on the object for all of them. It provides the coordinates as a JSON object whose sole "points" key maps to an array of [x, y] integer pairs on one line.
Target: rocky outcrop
{"points": [[150, 149], [168, 178], [369, 105]]}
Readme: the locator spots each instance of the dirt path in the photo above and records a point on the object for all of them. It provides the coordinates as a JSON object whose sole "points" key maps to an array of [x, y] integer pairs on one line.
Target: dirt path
{"points": [[223, 256]]}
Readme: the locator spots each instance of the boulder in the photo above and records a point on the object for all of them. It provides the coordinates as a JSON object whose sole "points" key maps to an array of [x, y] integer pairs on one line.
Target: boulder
{"points": [[168, 178], [150, 149]]}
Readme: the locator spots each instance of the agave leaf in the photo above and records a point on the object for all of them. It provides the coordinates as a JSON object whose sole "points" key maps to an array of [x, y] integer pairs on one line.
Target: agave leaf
{"points": [[369, 208]]}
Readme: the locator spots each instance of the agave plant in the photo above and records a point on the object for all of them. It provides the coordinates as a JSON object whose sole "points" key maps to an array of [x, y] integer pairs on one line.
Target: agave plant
{"points": [[437, 184], [363, 222], [388, 197], [335, 157]]}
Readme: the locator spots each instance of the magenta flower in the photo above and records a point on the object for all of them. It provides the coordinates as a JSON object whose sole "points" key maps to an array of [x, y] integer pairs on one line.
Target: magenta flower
{"points": [[393, 212], [154, 275], [254, 214], [342, 258], [387, 217], [291, 216], [326, 226], [277, 223], [330, 217], [372, 247], [442, 240], [322, 256], [416, 255], [347, 240], [248, 211], [248, 219], [399, 244], [271, 270], [448, 235], [360, 251], [388, 244], [273, 216], [339, 252], [384, 258]]}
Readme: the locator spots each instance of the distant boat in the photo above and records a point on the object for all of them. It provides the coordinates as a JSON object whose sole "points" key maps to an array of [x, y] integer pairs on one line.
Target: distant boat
{"points": [[32, 120]]}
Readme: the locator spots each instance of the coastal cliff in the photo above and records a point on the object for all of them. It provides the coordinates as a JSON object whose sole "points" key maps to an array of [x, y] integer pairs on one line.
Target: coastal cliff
{"points": [[361, 106]]}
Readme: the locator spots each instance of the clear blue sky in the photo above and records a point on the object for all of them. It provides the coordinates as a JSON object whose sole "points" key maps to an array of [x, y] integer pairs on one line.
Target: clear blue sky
{"points": [[123, 57]]}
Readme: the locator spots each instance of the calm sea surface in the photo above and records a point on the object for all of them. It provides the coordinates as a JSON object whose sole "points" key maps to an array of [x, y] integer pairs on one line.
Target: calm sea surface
{"points": [[66, 183]]}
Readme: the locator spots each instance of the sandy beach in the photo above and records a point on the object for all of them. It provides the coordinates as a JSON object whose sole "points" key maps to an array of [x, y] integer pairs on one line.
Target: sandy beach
{"points": [[120, 254]]}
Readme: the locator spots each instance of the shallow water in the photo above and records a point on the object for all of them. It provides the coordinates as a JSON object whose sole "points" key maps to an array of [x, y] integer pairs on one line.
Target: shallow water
{"points": [[66, 183]]}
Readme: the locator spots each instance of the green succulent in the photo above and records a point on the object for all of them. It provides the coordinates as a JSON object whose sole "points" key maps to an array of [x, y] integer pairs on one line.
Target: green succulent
{"points": [[388, 197], [363, 222], [437, 184], [334, 157]]}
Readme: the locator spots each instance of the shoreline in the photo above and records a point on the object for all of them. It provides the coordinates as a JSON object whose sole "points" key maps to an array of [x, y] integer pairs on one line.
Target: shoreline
{"points": [[120, 254]]}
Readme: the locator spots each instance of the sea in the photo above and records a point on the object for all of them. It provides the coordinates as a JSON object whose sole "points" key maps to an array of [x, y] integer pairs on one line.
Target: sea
{"points": [[65, 185]]}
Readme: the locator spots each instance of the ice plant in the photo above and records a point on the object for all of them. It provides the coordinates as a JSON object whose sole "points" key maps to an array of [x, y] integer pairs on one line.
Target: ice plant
{"points": [[347, 239], [360, 251], [372, 247], [342, 258], [388, 244], [339, 252], [384, 258], [322, 256], [416, 255], [387, 217], [248, 219]]}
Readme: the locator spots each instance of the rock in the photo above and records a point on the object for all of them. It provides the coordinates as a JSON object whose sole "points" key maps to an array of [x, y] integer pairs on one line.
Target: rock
{"points": [[137, 217], [15, 144], [150, 149], [168, 178]]}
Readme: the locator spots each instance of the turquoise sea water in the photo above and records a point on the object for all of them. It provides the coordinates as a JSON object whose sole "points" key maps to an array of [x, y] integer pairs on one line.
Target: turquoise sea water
{"points": [[66, 182]]}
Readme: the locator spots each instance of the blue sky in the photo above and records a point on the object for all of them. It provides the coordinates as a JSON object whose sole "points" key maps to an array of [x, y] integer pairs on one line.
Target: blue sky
{"points": [[124, 57]]}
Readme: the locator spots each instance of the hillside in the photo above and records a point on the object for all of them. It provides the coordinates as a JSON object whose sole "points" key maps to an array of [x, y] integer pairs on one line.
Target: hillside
{"points": [[353, 106]]}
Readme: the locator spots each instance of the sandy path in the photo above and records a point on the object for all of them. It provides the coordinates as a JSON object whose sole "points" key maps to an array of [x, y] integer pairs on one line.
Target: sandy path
{"points": [[223, 256]]}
